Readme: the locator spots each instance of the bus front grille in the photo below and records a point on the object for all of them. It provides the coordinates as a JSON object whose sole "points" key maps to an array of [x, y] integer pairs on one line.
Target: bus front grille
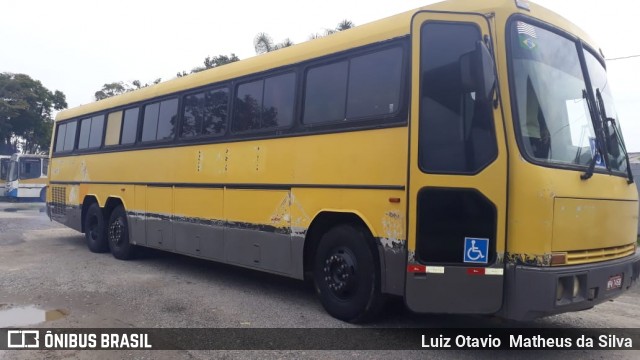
{"points": [[594, 255], [58, 200]]}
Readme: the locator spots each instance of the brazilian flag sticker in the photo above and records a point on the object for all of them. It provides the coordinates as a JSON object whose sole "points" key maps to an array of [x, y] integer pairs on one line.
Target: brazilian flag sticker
{"points": [[527, 42]]}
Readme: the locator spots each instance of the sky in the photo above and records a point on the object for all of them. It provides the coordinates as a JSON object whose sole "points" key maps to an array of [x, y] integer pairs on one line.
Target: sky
{"points": [[76, 46]]}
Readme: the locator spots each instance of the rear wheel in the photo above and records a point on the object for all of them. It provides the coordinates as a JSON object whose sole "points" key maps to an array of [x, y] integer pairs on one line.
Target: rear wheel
{"points": [[118, 235], [347, 274], [94, 230]]}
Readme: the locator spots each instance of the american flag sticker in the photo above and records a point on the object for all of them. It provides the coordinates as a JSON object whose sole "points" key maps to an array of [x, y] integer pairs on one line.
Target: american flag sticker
{"points": [[526, 29]]}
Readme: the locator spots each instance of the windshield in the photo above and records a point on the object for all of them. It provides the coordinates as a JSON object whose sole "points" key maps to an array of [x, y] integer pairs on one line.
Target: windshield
{"points": [[4, 169], [13, 171], [554, 122], [616, 156]]}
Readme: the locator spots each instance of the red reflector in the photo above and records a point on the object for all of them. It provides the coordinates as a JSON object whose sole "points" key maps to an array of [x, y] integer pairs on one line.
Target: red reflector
{"points": [[394, 200], [416, 268], [475, 271]]}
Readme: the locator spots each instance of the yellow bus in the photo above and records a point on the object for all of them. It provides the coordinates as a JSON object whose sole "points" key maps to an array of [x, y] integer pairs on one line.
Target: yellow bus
{"points": [[27, 177], [465, 156]]}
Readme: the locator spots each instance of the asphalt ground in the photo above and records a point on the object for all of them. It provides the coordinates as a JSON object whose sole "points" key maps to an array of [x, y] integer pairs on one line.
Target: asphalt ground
{"points": [[47, 267]]}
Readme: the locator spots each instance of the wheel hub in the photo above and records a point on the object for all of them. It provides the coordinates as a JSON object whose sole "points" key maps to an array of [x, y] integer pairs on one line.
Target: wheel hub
{"points": [[339, 272], [115, 232]]}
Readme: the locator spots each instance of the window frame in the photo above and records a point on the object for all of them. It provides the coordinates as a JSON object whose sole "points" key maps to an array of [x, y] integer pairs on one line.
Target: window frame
{"points": [[142, 112], [297, 129], [263, 78]]}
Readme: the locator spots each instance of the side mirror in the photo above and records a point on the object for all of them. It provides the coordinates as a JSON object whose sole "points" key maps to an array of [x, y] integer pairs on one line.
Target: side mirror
{"points": [[477, 72]]}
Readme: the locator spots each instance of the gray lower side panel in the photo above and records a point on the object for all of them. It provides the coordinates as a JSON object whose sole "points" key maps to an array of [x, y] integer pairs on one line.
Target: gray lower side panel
{"points": [[394, 265], [530, 292], [454, 291], [263, 250], [70, 216]]}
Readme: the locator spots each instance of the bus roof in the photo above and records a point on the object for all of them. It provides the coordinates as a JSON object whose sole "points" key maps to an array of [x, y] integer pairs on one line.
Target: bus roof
{"points": [[380, 30]]}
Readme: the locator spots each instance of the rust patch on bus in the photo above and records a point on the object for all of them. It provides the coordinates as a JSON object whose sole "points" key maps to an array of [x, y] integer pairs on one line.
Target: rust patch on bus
{"points": [[528, 259]]}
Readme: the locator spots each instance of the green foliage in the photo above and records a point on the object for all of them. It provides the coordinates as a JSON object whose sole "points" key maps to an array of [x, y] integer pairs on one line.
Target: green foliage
{"points": [[342, 25], [117, 88], [26, 113], [263, 43], [211, 62]]}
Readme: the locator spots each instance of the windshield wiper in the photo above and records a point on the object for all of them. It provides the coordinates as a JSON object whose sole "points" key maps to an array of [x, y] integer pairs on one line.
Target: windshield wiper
{"points": [[619, 141], [594, 157]]}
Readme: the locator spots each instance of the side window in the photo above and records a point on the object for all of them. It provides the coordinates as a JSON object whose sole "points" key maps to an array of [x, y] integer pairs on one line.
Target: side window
{"points": [[85, 127], [70, 136], [30, 168], [456, 132], [374, 83], [159, 120], [325, 93], [62, 129], [114, 125], [97, 129], [45, 167], [91, 132], [130, 126], [205, 113], [265, 104], [363, 86]]}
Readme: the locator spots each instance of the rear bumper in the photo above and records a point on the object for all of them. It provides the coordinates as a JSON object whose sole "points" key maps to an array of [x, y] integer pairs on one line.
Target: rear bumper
{"points": [[531, 292]]}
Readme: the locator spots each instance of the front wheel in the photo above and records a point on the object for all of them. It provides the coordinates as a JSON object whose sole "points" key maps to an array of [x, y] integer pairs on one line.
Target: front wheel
{"points": [[118, 235], [347, 274]]}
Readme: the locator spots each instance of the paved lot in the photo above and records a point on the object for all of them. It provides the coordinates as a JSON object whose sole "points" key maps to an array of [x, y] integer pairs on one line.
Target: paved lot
{"points": [[45, 266]]}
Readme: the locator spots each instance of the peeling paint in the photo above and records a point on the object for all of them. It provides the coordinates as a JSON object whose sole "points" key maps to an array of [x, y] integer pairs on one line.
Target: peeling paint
{"points": [[281, 218], [84, 173], [393, 231], [73, 195]]}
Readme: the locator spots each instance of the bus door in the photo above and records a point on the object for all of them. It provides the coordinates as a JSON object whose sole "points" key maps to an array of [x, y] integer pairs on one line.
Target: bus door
{"points": [[457, 168]]}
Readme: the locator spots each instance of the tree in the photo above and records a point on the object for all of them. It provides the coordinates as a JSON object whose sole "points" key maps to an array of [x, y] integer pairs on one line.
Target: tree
{"points": [[117, 88], [212, 62], [263, 43], [342, 25], [26, 113]]}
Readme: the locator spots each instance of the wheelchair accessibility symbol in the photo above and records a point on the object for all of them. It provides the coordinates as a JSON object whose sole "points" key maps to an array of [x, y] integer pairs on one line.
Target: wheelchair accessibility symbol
{"points": [[476, 250]]}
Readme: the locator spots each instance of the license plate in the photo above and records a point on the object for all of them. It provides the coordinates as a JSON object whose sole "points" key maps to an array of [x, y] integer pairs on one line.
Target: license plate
{"points": [[614, 282]]}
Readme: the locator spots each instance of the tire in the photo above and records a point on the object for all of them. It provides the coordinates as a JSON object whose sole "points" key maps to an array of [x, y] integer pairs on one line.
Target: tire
{"points": [[94, 229], [43, 194], [118, 235], [347, 274]]}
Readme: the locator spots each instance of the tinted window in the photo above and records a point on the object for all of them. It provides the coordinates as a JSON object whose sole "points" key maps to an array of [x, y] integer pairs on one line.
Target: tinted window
{"points": [[62, 129], [159, 120], [45, 166], [374, 83], [85, 128], [325, 93], [205, 113], [150, 122], [248, 106], [130, 126], [70, 136], [97, 128], [114, 125], [30, 168], [279, 99], [456, 131], [167, 119]]}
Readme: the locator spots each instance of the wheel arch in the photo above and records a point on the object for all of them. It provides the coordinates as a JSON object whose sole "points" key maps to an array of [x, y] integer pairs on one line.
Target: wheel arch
{"points": [[327, 219]]}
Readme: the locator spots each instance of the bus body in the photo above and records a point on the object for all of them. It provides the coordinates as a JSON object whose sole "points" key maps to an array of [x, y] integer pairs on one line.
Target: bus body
{"points": [[448, 155], [27, 177], [4, 173]]}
